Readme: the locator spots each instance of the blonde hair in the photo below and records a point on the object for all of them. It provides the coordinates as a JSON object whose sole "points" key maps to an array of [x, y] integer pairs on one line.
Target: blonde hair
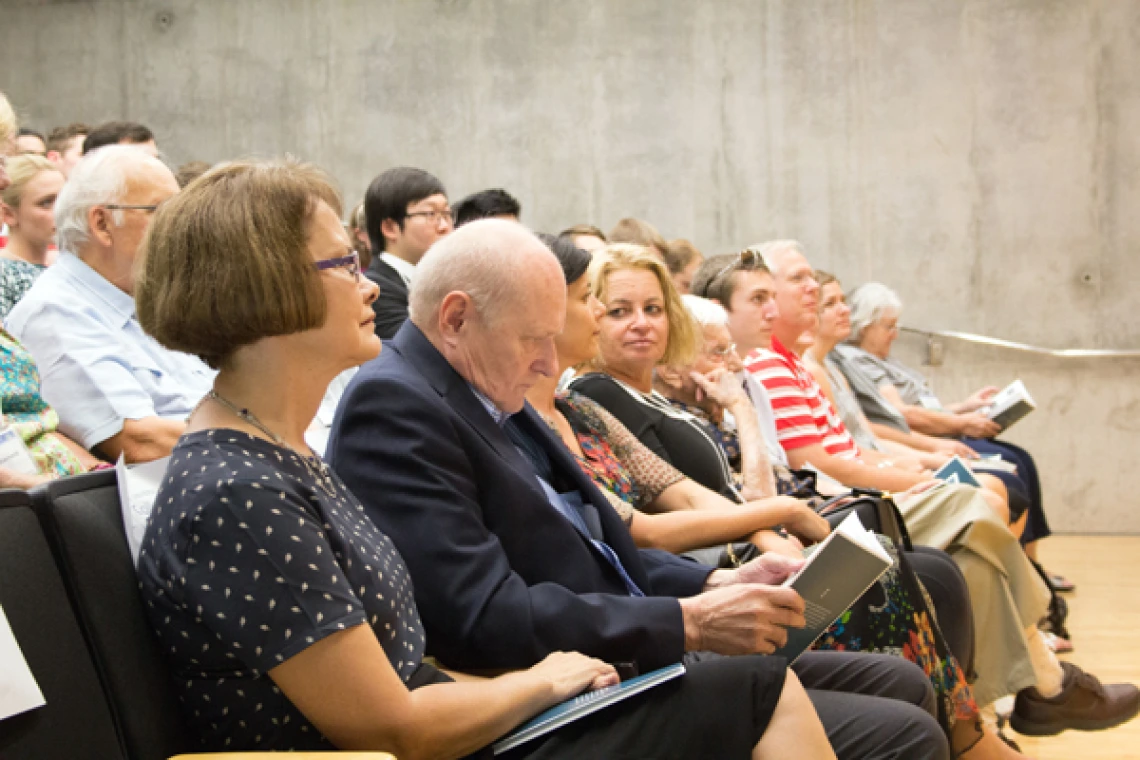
{"points": [[225, 262], [21, 171], [7, 122], [684, 336]]}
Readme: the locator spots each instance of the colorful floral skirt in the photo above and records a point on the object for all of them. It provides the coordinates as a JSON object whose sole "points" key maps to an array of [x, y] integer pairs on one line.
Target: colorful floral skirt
{"points": [[896, 617]]}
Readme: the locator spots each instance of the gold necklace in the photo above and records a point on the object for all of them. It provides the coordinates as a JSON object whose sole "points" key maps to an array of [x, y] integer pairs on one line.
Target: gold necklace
{"points": [[313, 463]]}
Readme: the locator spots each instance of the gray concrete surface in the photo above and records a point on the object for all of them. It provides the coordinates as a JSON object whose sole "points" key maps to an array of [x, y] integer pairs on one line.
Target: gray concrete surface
{"points": [[976, 155]]}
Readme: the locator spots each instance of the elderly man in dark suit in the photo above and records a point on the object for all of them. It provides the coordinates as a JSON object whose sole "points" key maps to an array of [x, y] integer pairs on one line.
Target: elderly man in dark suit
{"points": [[406, 211], [514, 553]]}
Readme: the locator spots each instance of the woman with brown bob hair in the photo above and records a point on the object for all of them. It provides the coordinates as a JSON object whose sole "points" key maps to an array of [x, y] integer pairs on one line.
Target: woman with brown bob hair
{"points": [[287, 617]]}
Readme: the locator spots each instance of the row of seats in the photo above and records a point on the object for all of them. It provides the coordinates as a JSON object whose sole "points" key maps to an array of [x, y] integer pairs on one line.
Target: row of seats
{"points": [[70, 593]]}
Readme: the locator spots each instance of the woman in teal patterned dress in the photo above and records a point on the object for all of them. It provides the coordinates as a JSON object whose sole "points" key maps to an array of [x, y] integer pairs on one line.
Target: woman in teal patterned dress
{"points": [[26, 411]]}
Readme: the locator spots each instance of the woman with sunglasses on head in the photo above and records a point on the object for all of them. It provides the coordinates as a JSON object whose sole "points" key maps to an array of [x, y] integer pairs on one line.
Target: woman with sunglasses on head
{"points": [[287, 617], [893, 617]]}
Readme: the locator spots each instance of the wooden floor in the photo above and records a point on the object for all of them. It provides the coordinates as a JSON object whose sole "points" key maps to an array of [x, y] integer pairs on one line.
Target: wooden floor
{"points": [[1104, 620]]}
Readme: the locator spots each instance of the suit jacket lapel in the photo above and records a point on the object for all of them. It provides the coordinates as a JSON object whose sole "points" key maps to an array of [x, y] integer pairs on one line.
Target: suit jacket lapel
{"points": [[614, 531], [413, 344]]}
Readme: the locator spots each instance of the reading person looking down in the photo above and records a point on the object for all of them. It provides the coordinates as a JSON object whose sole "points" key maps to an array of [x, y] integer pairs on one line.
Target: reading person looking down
{"points": [[897, 398], [515, 552], [116, 390], [331, 654], [1007, 594]]}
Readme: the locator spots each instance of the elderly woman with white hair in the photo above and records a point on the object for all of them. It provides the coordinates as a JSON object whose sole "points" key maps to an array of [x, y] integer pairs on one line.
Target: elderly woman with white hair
{"points": [[896, 398]]}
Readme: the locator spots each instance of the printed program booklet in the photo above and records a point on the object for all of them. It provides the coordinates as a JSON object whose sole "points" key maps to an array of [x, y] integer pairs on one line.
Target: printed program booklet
{"points": [[584, 704], [956, 471], [837, 573], [1010, 404]]}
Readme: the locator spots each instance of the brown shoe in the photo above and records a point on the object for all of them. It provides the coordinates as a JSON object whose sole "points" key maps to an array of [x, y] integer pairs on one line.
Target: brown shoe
{"points": [[1084, 704]]}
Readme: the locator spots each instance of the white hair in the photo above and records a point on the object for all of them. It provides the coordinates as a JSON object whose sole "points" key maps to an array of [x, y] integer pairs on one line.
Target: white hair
{"points": [[99, 177], [486, 259], [767, 252], [707, 313], [868, 303]]}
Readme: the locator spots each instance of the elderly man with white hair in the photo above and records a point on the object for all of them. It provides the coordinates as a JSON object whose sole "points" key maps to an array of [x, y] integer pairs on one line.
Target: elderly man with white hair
{"points": [[116, 390], [515, 553]]}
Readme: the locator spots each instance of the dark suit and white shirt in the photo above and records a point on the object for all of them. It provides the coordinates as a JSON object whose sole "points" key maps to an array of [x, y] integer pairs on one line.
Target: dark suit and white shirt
{"points": [[394, 276]]}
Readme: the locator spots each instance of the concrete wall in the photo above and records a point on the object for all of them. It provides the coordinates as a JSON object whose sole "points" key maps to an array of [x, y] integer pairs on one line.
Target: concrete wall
{"points": [[975, 155]]}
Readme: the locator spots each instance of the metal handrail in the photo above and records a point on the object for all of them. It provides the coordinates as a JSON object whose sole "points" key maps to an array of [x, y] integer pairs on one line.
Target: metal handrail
{"points": [[1059, 353]]}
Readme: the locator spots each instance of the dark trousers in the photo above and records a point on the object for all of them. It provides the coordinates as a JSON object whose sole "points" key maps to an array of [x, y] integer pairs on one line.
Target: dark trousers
{"points": [[947, 588], [1026, 481], [873, 705]]}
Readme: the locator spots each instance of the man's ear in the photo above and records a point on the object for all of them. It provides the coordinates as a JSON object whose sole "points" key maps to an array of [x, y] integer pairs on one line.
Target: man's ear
{"points": [[54, 156], [391, 230], [99, 224], [455, 311]]}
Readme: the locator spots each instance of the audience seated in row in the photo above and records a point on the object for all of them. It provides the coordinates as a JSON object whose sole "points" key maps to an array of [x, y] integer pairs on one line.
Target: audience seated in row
{"points": [[332, 653], [494, 533]]}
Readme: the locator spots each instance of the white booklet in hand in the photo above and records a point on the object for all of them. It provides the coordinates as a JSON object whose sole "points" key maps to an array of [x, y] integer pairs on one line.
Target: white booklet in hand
{"points": [[838, 572], [1010, 404]]}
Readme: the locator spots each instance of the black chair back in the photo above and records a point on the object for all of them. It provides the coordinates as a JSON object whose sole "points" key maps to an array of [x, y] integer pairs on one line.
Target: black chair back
{"points": [[76, 722], [82, 517]]}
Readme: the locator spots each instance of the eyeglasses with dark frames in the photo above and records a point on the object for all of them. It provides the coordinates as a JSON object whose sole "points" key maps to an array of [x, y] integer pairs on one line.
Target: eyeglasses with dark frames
{"points": [[149, 208], [434, 216], [351, 263]]}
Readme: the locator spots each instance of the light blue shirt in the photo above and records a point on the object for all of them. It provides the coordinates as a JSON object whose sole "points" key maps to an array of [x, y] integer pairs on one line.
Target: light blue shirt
{"points": [[97, 366]]}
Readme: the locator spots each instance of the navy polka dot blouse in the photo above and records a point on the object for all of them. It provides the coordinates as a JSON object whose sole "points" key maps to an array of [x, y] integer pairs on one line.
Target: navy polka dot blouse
{"points": [[250, 557]]}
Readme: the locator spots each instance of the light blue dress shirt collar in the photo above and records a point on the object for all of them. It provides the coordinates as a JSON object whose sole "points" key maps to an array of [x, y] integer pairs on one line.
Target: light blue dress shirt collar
{"points": [[497, 414], [84, 276]]}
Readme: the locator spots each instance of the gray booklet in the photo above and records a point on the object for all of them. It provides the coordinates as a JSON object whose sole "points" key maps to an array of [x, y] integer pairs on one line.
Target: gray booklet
{"points": [[839, 571]]}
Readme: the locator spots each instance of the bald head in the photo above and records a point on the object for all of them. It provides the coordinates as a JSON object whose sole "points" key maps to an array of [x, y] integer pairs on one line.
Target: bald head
{"points": [[497, 263], [491, 298]]}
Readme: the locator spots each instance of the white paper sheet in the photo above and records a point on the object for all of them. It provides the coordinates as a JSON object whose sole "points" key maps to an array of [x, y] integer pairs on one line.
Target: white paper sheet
{"points": [[138, 487], [19, 691]]}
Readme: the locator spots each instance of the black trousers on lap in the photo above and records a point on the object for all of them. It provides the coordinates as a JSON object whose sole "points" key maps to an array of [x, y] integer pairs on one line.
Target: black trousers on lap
{"points": [[947, 588], [1037, 525], [873, 705]]}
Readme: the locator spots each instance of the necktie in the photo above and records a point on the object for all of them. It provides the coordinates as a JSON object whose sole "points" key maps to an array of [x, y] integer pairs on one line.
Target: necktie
{"points": [[570, 504]]}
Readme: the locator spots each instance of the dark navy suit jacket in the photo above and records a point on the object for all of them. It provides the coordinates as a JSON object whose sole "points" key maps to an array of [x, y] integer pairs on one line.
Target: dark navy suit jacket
{"points": [[391, 305], [501, 578]]}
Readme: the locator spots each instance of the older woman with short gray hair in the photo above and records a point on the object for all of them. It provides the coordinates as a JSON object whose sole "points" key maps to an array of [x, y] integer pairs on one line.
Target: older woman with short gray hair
{"points": [[898, 397]]}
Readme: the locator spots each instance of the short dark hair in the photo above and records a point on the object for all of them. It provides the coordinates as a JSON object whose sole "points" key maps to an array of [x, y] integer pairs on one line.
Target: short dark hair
{"points": [[60, 138], [485, 204], [714, 278], [389, 195], [115, 132], [25, 132], [573, 259]]}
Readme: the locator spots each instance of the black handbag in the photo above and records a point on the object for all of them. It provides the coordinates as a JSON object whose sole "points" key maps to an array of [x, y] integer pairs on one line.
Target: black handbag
{"points": [[876, 510]]}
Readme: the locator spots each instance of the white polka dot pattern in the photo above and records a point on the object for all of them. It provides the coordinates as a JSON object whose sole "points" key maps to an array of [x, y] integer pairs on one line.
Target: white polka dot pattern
{"points": [[247, 560]]}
